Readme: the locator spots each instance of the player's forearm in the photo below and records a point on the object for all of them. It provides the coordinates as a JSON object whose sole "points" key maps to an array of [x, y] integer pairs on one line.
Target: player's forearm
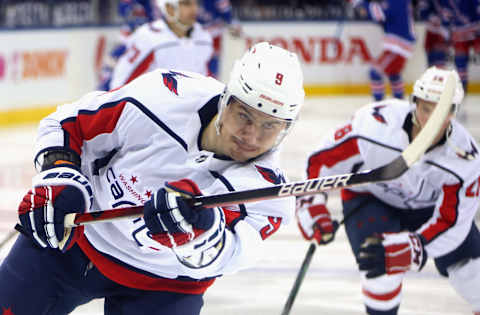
{"points": [[50, 135], [51, 138]]}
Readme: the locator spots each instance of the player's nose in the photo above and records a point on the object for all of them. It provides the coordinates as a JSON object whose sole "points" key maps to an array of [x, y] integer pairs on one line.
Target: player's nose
{"points": [[250, 133]]}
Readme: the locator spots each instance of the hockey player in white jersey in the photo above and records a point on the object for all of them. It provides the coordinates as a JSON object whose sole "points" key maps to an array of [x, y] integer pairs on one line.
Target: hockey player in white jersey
{"points": [[164, 133], [175, 42], [429, 211]]}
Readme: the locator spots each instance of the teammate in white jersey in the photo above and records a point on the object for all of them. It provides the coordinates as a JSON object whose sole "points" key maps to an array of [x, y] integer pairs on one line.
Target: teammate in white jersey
{"points": [[164, 131], [175, 42], [429, 210]]}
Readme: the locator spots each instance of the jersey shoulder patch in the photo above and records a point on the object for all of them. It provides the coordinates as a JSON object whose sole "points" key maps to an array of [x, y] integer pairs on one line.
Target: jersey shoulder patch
{"points": [[377, 114], [387, 112], [462, 142], [170, 81], [270, 175]]}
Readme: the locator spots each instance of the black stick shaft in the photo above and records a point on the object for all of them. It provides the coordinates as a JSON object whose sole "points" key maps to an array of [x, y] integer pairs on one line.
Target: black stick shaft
{"points": [[299, 279]]}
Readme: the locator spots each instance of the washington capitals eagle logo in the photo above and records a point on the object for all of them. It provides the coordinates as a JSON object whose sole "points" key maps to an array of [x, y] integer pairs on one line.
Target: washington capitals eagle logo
{"points": [[270, 175], [468, 155], [170, 81], [376, 114]]}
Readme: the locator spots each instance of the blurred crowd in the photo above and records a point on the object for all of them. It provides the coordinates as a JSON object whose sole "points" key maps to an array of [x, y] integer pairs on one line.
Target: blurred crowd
{"points": [[452, 35], [59, 13]]}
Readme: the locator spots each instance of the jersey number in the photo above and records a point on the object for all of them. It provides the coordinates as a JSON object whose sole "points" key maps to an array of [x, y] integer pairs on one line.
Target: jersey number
{"points": [[279, 78], [135, 52], [270, 228], [341, 132], [474, 189]]}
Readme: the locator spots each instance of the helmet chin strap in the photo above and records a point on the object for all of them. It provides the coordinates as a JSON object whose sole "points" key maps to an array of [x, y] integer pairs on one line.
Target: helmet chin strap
{"points": [[221, 104], [415, 120]]}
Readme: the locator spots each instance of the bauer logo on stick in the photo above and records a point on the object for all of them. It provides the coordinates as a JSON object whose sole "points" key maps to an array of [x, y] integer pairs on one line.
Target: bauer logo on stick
{"points": [[318, 184]]}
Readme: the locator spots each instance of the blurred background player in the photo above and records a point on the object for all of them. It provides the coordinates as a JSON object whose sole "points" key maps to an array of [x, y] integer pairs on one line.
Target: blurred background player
{"points": [[452, 24], [437, 41], [396, 19], [464, 18], [216, 16], [155, 141], [175, 42], [133, 13], [429, 211]]}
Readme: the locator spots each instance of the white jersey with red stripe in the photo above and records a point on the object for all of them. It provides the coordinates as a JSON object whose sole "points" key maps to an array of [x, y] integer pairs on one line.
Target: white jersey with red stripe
{"points": [[154, 45], [443, 177], [134, 139]]}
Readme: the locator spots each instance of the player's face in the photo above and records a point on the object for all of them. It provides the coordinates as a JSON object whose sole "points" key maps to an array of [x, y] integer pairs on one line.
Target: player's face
{"points": [[424, 111], [246, 132], [187, 11]]}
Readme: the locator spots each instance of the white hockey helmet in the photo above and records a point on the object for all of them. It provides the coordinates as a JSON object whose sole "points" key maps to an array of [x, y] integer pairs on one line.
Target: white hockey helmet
{"points": [[267, 78], [162, 5], [430, 86]]}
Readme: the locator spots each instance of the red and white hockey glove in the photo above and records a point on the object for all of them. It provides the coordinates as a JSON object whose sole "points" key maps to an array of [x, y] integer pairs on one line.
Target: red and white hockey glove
{"points": [[391, 253], [55, 193], [314, 220], [187, 230]]}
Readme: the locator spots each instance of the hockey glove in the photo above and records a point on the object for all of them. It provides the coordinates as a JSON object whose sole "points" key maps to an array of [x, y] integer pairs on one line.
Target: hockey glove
{"points": [[56, 192], [314, 220], [187, 230], [391, 253]]}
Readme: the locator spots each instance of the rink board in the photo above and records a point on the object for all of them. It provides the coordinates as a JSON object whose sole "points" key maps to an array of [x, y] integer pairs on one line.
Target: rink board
{"points": [[64, 64]]}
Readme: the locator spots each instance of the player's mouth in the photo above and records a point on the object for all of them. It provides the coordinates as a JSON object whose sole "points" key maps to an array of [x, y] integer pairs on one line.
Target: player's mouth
{"points": [[244, 146]]}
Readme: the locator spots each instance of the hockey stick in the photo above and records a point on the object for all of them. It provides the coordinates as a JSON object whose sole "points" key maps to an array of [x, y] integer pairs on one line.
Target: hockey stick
{"points": [[304, 267], [389, 171], [298, 281], [410, 155]]}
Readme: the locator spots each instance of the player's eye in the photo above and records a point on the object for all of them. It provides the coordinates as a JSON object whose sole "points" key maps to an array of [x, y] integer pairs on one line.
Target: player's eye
{"points": [[244, 117], [270, 125]]}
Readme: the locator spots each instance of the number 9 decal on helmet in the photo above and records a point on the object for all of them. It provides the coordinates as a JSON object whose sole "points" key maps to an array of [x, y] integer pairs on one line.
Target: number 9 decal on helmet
{"points": [[269, 79]]}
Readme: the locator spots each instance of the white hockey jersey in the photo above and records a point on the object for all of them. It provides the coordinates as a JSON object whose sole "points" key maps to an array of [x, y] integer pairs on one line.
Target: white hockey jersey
{"points": [[444, 177], [154, 45], [134, 139]]}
